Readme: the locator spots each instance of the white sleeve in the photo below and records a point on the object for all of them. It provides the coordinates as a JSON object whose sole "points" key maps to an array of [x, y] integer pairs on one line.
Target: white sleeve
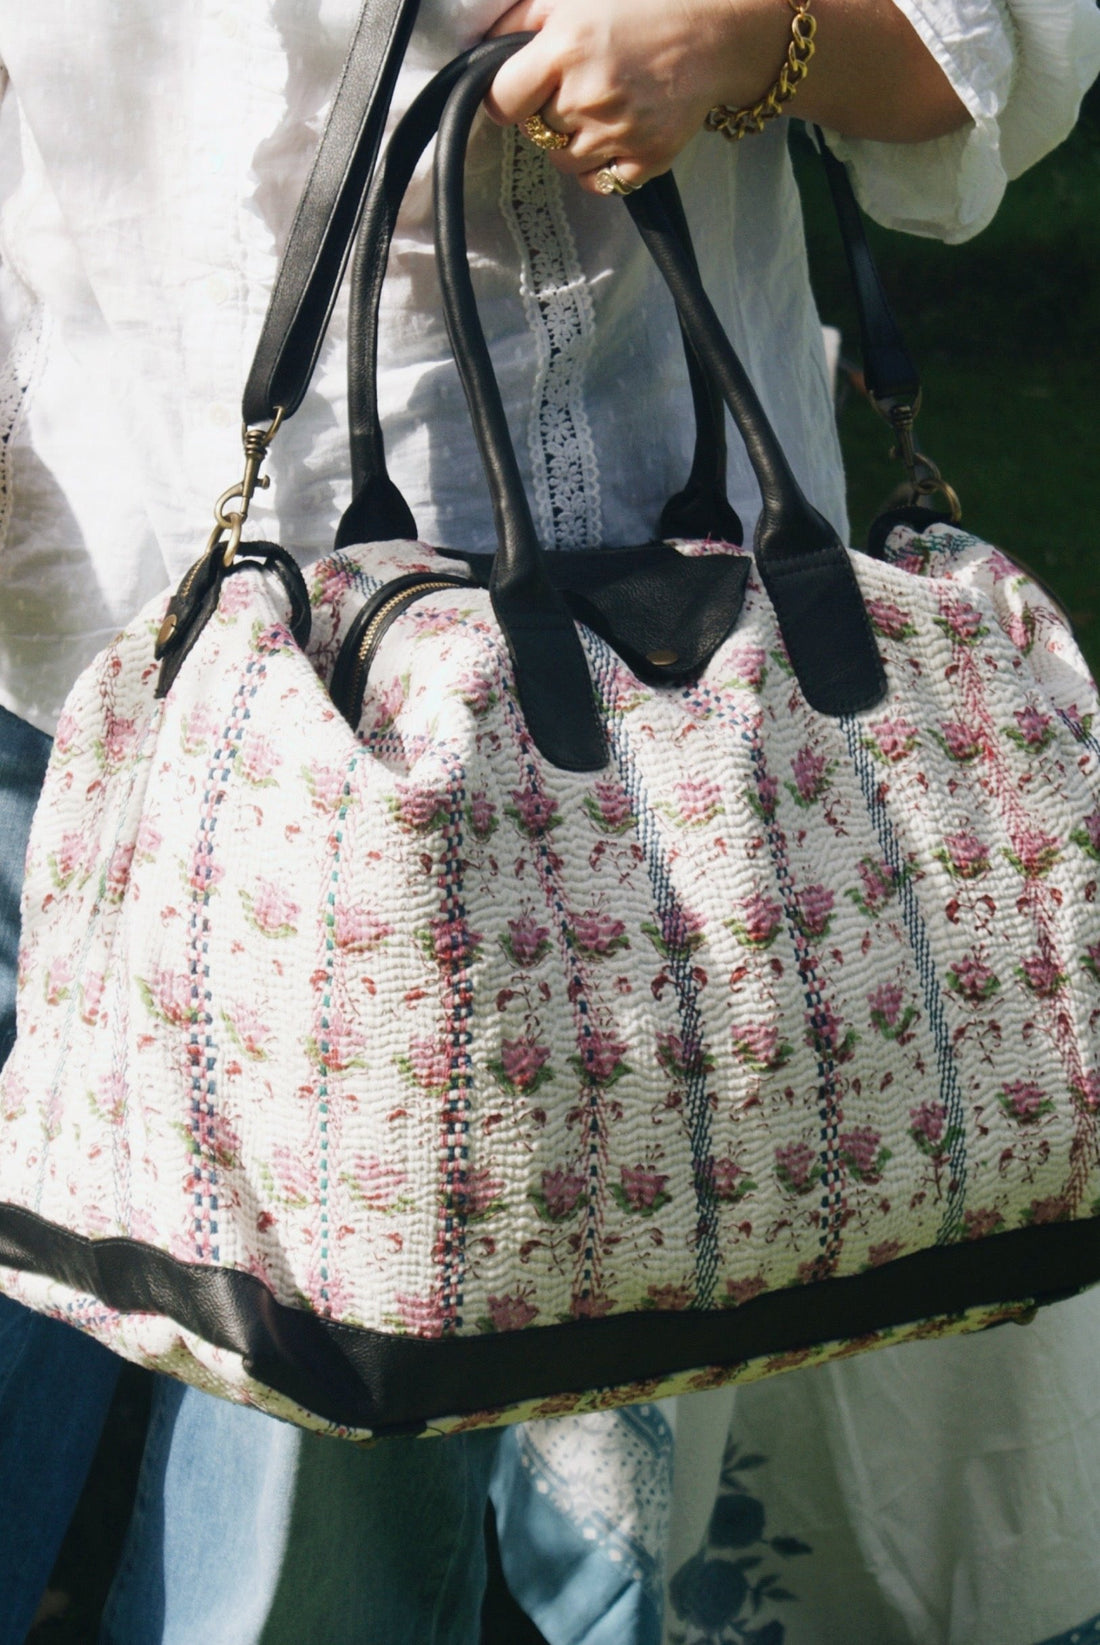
{"points": [[1021, 67]]}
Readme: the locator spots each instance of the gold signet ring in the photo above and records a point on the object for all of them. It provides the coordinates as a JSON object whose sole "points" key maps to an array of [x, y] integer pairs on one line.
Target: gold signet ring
{"points": [[544, 136], [608, 181]]}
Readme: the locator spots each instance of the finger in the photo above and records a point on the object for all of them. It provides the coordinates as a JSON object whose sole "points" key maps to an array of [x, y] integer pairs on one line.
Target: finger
{"points": [[627, 171], [518, 19], [591, 146], [523, 84]]}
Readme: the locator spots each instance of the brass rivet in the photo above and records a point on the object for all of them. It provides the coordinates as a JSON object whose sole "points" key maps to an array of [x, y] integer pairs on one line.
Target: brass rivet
{"points": [[167, 629], [662, 659]]}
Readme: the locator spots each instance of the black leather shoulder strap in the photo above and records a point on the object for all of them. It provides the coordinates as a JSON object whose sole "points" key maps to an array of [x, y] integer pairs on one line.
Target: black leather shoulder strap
{"points": [[324, 225], [888, 367]]}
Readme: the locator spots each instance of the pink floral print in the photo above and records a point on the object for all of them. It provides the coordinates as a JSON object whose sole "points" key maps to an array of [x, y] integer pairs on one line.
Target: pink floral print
{"points": [[526, 940], [811, 776], [428, 1036], [270, 910], [560, 1193], [641, 1189]]}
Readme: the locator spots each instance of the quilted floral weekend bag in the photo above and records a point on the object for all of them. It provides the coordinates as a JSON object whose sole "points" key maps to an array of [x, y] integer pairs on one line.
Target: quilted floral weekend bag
{"points": [[435, 1010]]}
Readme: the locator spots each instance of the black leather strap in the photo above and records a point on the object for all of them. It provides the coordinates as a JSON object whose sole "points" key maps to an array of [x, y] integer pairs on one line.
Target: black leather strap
{"points": [[324, 225], [378, 512], [888, 367]]}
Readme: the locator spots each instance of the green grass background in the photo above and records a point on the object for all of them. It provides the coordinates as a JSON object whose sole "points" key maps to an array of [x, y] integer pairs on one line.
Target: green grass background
{"points": [[1006, 332]]}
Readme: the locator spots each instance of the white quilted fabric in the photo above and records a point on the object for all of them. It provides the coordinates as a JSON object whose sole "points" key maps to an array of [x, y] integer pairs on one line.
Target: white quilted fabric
{"points": [[433, 1038]]}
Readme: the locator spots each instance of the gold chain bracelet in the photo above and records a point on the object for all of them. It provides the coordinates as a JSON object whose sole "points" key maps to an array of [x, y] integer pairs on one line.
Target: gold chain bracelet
{"points": [[738, 123]]}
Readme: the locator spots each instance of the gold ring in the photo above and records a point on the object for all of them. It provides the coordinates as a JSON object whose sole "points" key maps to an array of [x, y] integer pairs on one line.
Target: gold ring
{"points": [[544, 136], [608, 181]]}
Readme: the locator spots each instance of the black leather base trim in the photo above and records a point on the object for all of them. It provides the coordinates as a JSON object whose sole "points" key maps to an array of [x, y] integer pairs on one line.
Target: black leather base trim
{"points": [[370, 1379]]}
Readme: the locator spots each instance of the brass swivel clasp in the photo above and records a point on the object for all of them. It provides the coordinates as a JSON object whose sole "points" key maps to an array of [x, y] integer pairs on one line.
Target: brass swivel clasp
{"points": [[924, 476], [256, 442]]}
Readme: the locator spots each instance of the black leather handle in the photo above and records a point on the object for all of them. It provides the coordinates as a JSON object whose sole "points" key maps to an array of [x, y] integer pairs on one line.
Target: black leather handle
{"points": [[702, 509], [378, 512], [324, 225], [551, 670], [805, 568]]}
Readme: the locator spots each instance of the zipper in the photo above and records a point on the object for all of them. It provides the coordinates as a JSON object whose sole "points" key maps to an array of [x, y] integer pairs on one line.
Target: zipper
{"points": [[360, 645]]}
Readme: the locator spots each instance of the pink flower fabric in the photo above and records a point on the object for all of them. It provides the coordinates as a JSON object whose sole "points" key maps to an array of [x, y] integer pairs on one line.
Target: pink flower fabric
{"points": [[561, 1191], [376, 1183], [967, 856], [536, 812], [523, 1060], [797, 1165], [272, 910], [597, 933], [358, 930], [895, 738], [928, 1122], [612, 805], [642, 1186], [960, 740], [527, 939], [816, 907], [810, 774], [511, 1313], [861, 1148], [699, 800]]}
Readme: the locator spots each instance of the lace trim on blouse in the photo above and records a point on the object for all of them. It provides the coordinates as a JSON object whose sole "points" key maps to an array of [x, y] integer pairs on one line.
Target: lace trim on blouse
{"points": [[558, 306]]}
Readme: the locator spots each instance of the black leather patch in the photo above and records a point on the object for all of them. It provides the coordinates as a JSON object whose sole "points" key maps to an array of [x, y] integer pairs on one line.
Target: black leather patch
{"points": [[648, 602], [196, 600], [377, 513], [189, 610], [552, 683], [398, 1384], [701, 511]]}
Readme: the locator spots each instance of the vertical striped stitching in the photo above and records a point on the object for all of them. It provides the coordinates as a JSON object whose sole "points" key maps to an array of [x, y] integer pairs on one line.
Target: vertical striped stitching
{"points": [[951, 1226], [202, 1045], [670, 910], [458, 996], [830, 1112]]}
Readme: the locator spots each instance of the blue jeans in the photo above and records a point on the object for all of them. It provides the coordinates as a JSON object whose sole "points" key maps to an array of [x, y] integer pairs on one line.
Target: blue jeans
{"points": [[55, 1385], [249, 1532], [245, 1531]]}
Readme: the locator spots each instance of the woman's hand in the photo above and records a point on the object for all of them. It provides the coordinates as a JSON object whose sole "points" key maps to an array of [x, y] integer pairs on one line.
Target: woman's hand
{"points": [[630, 81]]}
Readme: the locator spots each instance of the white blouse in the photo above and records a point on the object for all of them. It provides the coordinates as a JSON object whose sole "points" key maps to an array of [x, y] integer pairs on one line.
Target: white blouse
{"points": [[150, 160]]}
